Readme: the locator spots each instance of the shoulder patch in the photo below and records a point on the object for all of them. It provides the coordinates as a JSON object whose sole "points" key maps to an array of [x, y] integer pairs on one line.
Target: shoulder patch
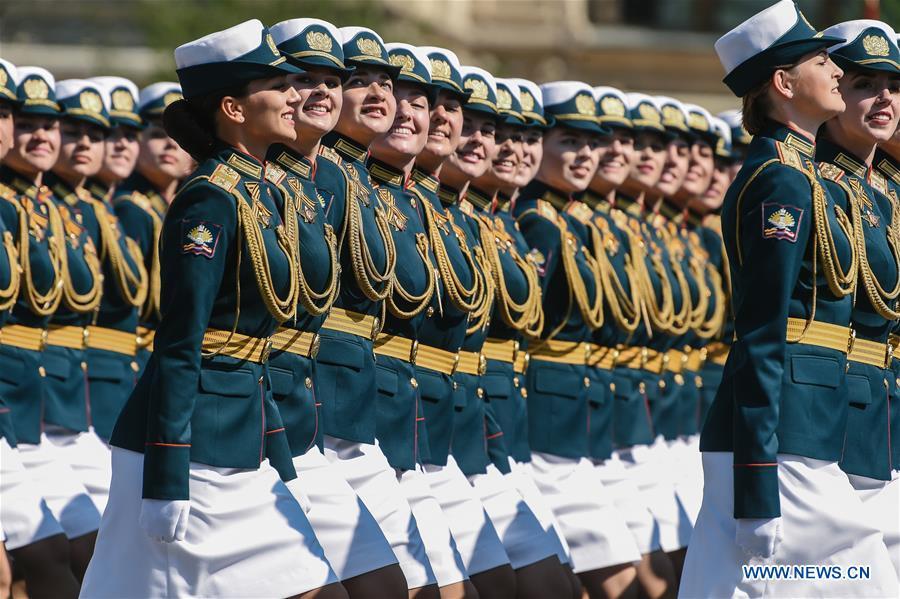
{"points": [[580, 211], [225, 177], [789, 155], [781, 221], [199, 237], [274, 173], [546, 209], [830, 171], [330, 154]]}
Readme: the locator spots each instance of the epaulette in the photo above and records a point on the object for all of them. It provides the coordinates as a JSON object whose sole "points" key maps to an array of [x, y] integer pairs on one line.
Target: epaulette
{"points": [[225, 177], [139, 199], [831, 172], [274, 173], [890, 169], [546, 209], [331, 154], [580, 211], [789, 155], [7, 192], [878, 182]]}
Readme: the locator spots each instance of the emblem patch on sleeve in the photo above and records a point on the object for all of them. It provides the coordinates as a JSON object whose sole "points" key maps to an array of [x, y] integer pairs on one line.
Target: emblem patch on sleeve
{"points": [[781, 221], [199, 237]]}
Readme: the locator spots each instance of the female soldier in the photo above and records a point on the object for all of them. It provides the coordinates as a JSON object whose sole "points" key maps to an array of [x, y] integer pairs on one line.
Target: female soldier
{"points": [[774, 434], [31, 533], [444, 330], [44, 246], [573, 307], [140, 202], [740, 139], [349, 534], [345, 365], [870, 88], [199, 414], [121, 146]]}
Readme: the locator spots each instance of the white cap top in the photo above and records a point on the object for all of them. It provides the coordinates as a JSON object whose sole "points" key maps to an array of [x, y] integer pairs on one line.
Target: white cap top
{"points": [[348, 33], [25, 72], [756, 34], [850, 30], [291, 28], [558, 92], [511, 84], [414, 50], [450, 54], [221, 46], [605, 90], [155, 91], [634, 98], [110, 83], [732, 118], [68, 88], [532, 88], [466, 71], [722, 128]]}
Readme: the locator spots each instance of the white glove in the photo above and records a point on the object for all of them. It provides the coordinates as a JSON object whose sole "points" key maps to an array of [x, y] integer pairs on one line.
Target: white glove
{"points": [[758, 537], [165, 520]]}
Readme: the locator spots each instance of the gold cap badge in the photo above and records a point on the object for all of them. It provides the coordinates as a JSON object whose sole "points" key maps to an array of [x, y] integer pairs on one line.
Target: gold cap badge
{"points": [[272, 45], [649, 113], [37, 89], [3, 76], [698, 121], [527, 100], [504, 99], [585, 105], [612, 106], [440, 68], [171, 97], [369, 47], [404, 61], [319, 40], [91, 102], [123, 100], [671, 114], [875, 45], [479, 88]]}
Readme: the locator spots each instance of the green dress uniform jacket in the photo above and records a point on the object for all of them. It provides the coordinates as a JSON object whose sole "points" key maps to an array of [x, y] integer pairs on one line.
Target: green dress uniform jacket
{"points": [[27, 213], [889, 167], [345, 365], [9, 286], [191, 403], [711, 371], [293, 375], [558, 390], [782, 391], [446, 318], [399, 411], [867, 446], [141, 209], [67, 399]]}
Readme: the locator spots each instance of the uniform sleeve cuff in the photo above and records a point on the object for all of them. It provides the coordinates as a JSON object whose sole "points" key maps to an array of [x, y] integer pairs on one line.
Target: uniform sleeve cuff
{"points": [[756, 491], [167, 471]]}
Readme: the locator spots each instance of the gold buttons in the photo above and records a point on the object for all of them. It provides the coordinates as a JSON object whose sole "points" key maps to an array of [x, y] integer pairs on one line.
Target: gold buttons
{"points": [[414, 383], [84, 366], [480, 393], [42, 371], [642, 388], [135, 367], [523, 392], [698, 381], [612, 387], [412, 202], [259, 382], [314, 346], [662, 384], [376, 327], [587, 382], [516, 382], [455, 385], [679, 380], [308, 383], [429, 312]]}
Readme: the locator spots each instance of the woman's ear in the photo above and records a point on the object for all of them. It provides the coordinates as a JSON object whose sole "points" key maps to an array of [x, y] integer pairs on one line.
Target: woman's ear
{"points": [[232, 109], [784, 83]]}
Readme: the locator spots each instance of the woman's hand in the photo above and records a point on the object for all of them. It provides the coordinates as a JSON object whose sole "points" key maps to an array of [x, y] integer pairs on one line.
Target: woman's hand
{"points": [[165, 520], [758, 537]]}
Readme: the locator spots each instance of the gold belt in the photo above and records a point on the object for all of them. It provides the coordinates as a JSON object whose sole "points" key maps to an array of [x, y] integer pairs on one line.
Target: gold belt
{"points": [[642, 358], [235, 345], [506, 350], [471, 362], [822, 334], [602, 357], [401, 348], [695, 360], [17, 335], [145, 338], [675, 361], [67, 336], [873, 353], [564, 352], [292, 341], [716, 352], [346, 321], [121, 342], [894, 340]]}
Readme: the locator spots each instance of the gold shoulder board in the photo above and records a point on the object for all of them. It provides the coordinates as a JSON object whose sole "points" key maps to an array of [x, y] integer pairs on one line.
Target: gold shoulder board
{"points": [[7, 192], [789, 155], [830, 171], [546, 209], [330, 153], [580, 211], [878, 182], [225, 177], [274, 174]]}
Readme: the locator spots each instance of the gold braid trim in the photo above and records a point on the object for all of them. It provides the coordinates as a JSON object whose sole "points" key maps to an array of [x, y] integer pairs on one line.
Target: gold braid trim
{"points": [[712, 326], [150, 308], [41, 304], [77, 302], [466, 300], [133, 286], [592, 312], [10, 293], [364, 269], [624, 307]]}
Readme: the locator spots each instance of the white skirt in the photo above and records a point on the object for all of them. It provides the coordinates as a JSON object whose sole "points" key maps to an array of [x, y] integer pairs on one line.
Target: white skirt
{"points": [[90, 459], [689, 485], [823, 523], [246, 537], [25, 515], [652, 470], [521, 478], [525, 540], [476, 538], [882, 502], [365, 468], [440, 545], [347, 531], [61, 487], [595, 530], [630, 502]]}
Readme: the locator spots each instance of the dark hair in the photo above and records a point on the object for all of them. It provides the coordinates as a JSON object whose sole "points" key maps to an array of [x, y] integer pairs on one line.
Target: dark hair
{"points": [[756, 105], [192, 123]]}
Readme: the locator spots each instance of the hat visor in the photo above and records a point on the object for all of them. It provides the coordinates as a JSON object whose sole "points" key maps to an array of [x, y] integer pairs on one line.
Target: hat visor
{"points": [[881, 66], [200, 80], [86, 118], [759, 67], [588, 126], [39, 110], [320, 62], [119, 120], [376, 63], [478, 107], [462, 96]]}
